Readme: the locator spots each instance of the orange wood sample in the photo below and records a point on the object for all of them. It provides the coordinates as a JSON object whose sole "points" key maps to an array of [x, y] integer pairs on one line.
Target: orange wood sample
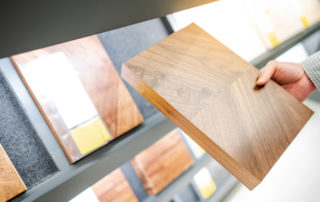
{"points": [[114, 187], [209, 92], [10, 182], [161, 163], [101, 81]]}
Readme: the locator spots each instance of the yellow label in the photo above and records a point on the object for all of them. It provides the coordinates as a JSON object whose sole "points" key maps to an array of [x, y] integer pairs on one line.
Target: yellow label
{"points": [[202, 151], [304, 21], [90, 135], [207, 189], [273, 39], [204, 182]]}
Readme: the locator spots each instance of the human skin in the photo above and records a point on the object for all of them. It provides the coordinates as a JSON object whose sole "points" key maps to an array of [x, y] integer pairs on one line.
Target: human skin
{"points": [[290, 76]]}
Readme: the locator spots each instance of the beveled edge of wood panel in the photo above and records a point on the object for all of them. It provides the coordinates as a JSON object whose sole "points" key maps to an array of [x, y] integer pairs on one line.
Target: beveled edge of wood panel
{"points": [[70, 159], [178, 119]]}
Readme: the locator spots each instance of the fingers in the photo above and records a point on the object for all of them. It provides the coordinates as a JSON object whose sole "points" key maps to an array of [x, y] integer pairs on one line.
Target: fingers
{"points": [[267, 73]]}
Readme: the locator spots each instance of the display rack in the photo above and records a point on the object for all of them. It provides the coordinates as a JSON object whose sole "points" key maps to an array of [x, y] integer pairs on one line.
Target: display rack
{"points": [[72, 179]]}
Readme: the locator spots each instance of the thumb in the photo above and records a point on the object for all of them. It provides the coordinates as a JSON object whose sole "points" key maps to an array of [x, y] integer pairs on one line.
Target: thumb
{"points": [[267, 73]]}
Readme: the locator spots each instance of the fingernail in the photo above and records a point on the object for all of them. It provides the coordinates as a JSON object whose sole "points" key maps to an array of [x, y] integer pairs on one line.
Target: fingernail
{"points": [[259, 80]]}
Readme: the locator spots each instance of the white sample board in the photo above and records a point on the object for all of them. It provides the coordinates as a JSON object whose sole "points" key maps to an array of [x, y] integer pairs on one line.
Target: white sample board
{"points": [[229, 22]]}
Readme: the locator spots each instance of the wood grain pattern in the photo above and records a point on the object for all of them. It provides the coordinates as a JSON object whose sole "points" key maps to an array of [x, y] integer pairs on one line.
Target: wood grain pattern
{"points": [[209, 92], [101, 81], [10, 182], [162, 162], [114, 187]]}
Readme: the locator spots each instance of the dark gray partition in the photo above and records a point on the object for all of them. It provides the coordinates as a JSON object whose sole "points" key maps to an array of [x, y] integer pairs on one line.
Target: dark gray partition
{"points": [[32, 24]]}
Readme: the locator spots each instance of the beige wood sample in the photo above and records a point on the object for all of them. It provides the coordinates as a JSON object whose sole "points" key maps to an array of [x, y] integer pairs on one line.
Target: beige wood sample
{"points": [[114, 187], [161, 163], [101, 81], [209, 92], [10, 182]]}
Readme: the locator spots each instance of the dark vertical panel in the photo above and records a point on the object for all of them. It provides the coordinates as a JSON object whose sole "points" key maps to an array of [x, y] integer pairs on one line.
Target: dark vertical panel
{"points": [[124, 43]]}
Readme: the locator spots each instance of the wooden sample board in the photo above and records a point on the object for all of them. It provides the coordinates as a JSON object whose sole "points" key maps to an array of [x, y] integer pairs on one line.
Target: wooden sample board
{"points": [[161, 163], [10, 182], [114, 187], [79, 93], [210, 93]]}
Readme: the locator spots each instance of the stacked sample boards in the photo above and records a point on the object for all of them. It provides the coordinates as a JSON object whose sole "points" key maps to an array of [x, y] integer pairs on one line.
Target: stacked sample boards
{"points": [[209, 92], [161, 163], [79, 93], [10, 181]]}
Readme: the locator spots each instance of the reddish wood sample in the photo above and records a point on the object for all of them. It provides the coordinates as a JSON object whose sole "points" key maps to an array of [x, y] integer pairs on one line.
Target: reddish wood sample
{"points": [[209, 92], [161, 163], [10, 182], [114, 187], [101, 81]]}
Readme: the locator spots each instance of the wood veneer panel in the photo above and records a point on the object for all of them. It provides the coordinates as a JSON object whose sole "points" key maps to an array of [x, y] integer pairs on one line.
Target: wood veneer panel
{"points": [[114, 187], [10, 182], [100, 80], [161, 163], [209, 92]]}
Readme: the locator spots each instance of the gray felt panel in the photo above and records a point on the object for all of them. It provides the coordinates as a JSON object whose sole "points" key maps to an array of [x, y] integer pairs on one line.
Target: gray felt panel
{"points": [[20, 140], [124, 43]]}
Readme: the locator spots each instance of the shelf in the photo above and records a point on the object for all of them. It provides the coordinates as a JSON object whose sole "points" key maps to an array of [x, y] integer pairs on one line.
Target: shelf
{"points": [[60, 187]]}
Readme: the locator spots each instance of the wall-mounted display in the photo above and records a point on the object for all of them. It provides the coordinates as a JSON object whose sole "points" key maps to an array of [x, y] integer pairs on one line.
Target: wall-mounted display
{"points": [[79, 93]]}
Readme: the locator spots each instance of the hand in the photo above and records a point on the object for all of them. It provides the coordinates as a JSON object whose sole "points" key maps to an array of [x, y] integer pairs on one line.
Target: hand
{"points": [[290, 76]]}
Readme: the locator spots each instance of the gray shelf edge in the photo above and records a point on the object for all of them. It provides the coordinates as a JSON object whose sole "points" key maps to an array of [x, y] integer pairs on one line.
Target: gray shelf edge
{"points": [[264, 58]]}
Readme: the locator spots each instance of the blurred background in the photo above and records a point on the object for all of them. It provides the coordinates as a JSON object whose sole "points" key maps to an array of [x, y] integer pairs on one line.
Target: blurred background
{"points": [[157, 161]]}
